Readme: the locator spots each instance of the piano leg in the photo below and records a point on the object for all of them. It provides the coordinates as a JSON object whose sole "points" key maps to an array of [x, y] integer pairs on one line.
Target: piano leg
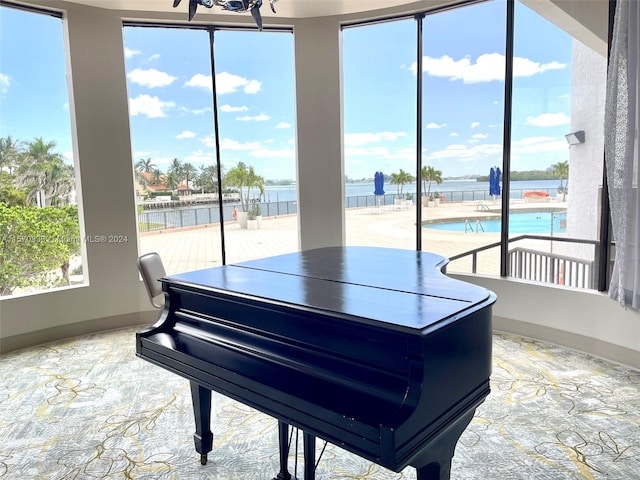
{"points": [[435, 462], [309, 442], [283, 441], [203, 438]]}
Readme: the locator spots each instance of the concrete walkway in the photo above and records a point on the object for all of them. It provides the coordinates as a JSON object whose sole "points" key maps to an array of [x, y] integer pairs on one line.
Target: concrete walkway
{"points": [[390, 226]]}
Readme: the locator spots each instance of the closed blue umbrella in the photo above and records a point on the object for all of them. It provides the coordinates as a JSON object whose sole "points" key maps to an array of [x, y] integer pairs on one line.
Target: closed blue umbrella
{"points": [[494, 181], [378, 182]]}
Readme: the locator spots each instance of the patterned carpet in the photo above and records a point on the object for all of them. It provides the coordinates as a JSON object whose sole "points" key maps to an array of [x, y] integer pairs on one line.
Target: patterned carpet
{"points": [[87, 408]]}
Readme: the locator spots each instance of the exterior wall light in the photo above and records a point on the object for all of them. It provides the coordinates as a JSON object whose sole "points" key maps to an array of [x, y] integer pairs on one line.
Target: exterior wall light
{"points": [[575, 138]]}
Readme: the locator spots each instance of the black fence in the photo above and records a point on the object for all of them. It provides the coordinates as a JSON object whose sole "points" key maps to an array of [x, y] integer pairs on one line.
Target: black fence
{"points": [[194, 215]]}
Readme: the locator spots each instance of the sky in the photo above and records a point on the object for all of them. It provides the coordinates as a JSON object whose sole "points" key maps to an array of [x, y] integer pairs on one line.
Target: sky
{"points": [[170, 96]]}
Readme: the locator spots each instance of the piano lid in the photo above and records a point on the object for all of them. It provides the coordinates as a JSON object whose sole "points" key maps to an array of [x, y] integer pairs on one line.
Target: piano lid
{"points": [[401, 288]]}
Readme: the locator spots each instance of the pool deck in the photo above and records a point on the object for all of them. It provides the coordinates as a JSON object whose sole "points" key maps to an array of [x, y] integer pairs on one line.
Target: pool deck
{"points": [[389, 226]]}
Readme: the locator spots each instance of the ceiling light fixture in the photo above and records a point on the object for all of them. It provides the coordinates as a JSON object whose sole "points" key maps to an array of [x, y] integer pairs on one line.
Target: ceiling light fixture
{"points": [[239, 6]]}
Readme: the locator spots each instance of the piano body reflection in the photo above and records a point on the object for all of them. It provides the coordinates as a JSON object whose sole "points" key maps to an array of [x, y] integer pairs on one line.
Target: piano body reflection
{"points": [[372, 349]]}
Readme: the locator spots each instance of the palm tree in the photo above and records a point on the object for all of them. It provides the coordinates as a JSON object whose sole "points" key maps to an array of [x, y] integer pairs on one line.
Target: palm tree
{"points": [[61, 182], [9, 154], [244, 177], [400, 179], [41, 172], [175, 174], [172, 181], [156, 176], [208, 178], [430, 174], [145, 165], [175, 167], [188, 171], [561, 170]]}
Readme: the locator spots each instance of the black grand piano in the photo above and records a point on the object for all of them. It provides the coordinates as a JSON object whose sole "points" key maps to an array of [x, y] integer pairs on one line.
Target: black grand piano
{"points": [[372, 349]]}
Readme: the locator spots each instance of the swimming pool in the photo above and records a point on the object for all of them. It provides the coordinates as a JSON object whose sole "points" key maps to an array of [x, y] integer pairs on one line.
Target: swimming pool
{"points": [[521, 222]]}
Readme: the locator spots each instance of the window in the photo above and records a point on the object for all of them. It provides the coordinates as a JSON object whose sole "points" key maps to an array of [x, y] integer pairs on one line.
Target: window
{"points": [[176, 147], [558, 96], [379, 133], [554, 103], [39, 220], [463, 111]]}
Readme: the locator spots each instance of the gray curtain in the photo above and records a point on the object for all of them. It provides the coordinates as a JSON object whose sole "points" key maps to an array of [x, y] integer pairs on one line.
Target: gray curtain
{"points": [[621, 153]]}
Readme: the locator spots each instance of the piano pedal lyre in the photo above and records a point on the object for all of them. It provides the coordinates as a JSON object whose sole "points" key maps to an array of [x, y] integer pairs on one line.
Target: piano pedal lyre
{"points": [[309, 445]]}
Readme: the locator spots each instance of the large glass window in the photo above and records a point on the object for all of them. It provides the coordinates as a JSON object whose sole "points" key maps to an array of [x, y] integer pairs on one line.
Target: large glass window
{"points": [[40, 240], [463, 78], [556, 151], [256, 108], [554, 121], [169, 77], [379, 133]]}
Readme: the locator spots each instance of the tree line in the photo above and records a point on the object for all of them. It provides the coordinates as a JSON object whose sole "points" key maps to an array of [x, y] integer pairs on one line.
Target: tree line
{"points": [[558, 171], [39, 229], [242, 179]]}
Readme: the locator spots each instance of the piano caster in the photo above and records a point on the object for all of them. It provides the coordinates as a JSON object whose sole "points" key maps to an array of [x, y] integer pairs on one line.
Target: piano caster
{"points": [[203, 459]]}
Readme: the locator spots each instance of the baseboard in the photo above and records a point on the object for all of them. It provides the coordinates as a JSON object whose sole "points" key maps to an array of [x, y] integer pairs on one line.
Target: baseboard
{"points": [[39, 337], [582, 343]]}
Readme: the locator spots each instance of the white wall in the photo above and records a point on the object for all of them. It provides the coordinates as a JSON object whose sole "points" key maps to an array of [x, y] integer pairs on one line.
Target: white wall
{"points": [[319, 132], [589, 78], [115, 296], [584, 320], [102, 151]]}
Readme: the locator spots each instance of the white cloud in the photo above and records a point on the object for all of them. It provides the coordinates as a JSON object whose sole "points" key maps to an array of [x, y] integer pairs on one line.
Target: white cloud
{"points": [[153, 57], [283, 125], [479, 136], [5, 83], [523, 67], [152, 107], [487, 67], [475, 151], [268, 153], [539, 144], [185, 134], [379, 152], [200, 156], [358, 139], [256, 118], [128, 53], [151, 78], [466, 153], [225, 83], [200, 81], [253, 87], [548, 120], [228, 144], [200, 111], [358, 151], [229, 108], [475, 124], [454, 134], [436, 125]]}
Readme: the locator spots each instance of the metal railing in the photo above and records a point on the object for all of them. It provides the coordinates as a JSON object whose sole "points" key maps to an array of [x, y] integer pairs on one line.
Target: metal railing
{"points": [[547, 267]]}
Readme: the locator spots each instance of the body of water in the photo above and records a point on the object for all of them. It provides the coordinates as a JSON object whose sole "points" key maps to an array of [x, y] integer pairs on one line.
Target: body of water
{"points": [[282, 200], [454, 190]]}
